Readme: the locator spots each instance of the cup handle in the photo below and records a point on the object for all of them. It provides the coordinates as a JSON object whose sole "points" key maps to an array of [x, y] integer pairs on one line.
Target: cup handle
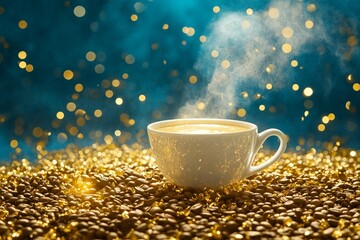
{"points": [[261, 138]]}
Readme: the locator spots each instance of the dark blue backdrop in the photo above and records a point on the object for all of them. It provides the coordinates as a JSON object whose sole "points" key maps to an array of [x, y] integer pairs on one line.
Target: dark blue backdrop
{"points": [[103, 56]]}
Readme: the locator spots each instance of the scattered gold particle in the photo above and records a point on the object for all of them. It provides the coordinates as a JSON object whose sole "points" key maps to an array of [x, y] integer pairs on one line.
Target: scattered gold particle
{"points": [[99, 68], [129, 59], [352, 41], [71, 106], [350, 77], [294, 63], [201, 105], [108, 139], [79, 87], [245, 24], [115, 83], [165, 26], [134, 17], [22, 55], [79, 11], [262, 107], [321, 127], [60, 115], [225, 64], [190, 31], [311, 7], [309, 24], [14, 143], [125, 76], [202, 38], [29, 68], [306, 113], [356, 87], [142, 98], [331, 117], [269, 86], [353, 154], [109, 93], [308, 92], [216, 9], [273, 13], [22, 24], [348, 105], [287, 32], [214, 53], [131, 122], [117, 133], [244, 95], [241, 112], [295, 87], [325, 119], [90, 56], [270, 68], [249, 11], [286, 48], [22, 64], [193, 79], [119, 101], [68, 74], [98, 113]]}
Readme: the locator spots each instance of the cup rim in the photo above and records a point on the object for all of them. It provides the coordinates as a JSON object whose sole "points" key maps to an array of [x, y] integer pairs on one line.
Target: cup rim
{"points": [[154, 127]]}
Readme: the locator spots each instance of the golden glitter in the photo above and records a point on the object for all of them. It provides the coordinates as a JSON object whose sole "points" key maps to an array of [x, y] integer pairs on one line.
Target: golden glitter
{"points": [[29, 68], [269, 86], [22, 24], [353, 154], [309, 24], [109, 93], [79, 11], [308, 92], [249, 11], [216, 9], [287, 32], [356, 87], [68, 74], [190, 31], [306, 113], [90, 56], [22, 64], [245, 24], [165, 26], [244, 95], [350, 77], [115, 83], [214, 53], [321, 127], [80, 121], [193, 79], [38, 132], [270, 68], [274, 13], [73, 131], [142, 98], [117, 133], [286, 48], [241, 112], [119, 101], [225, 64], [22, 55], [97, 113], [262, 107], [131, 122], [201, 105], [14, 143], [99, 68], [60, 115], [352, 41], [331, 116], [71, 106], [311, 7], [108, 139], [134, 17], [79, 87], [325, 119], [295, 87], [294, 63], [348, 105], [129, 59], [202, 38]]}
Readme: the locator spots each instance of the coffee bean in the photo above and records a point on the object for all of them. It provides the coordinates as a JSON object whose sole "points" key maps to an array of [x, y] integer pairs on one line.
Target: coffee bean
{"points": [[196, 208]]}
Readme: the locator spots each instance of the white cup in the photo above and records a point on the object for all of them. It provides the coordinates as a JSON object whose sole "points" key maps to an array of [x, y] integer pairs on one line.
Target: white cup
{"points": [[199, 159]]}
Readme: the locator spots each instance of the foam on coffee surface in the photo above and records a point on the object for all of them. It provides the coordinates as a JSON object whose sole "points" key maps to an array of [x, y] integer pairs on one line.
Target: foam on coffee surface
{"points": [[202, 128]]}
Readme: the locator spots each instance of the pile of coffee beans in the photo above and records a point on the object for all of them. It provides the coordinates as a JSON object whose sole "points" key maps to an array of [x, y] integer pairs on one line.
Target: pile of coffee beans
{"points": [[117, 192]]}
